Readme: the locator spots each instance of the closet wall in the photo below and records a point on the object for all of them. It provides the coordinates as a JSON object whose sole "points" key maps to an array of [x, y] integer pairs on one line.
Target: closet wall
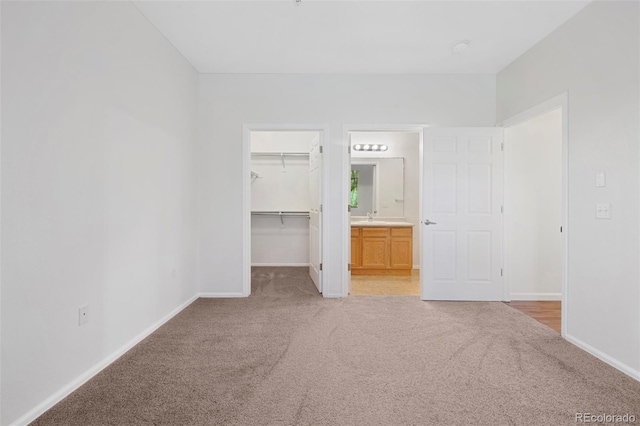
{"points": [[280, 183]]}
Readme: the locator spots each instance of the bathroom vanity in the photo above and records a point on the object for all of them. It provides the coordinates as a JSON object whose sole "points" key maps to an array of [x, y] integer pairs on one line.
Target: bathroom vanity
{"points": [[381, 248]]}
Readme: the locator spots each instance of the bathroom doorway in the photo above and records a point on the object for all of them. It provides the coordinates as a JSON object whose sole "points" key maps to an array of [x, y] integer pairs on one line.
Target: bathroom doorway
{"points": [[385, 201]]}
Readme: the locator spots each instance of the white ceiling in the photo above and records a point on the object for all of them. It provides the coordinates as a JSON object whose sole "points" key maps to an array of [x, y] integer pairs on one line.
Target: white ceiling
{"points": [[355, 36]]}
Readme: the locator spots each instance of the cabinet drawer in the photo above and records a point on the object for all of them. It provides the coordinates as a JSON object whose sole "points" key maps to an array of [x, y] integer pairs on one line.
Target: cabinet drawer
{"points": [[401, 232], [375, 232], [355, 232]]}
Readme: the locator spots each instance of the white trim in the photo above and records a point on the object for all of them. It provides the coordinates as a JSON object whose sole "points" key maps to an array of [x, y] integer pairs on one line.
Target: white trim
{"points": [[560, 101], [246, 195], [536, 111], [280, 264], [332, 295], [346, 163], [536, 296], [221, 295], [629, 371], [66, 390]]}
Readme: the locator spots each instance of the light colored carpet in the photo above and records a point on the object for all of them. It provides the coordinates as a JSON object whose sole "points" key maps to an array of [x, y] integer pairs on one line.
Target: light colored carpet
{"points": [[286, 356]]}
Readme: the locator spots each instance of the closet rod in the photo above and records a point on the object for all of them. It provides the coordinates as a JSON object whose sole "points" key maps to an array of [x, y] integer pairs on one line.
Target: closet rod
{"points": [[281, 214], [274, 213], [280, 154]]}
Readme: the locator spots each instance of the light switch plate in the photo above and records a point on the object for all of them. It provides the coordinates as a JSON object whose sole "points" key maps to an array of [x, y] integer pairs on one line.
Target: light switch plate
{"points": [[601, 179], [603, 211]]}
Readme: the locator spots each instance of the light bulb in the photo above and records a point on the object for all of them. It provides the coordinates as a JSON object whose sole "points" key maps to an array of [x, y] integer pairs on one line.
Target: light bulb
{"points": [[357, 147], [366, 147], [384, 148]]}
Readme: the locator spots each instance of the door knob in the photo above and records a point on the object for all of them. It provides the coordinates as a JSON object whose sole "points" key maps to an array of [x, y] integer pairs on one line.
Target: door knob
{"points": [[428, 222]]}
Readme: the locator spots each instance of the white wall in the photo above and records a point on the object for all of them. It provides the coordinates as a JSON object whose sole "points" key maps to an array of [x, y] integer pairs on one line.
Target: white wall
{"points": [[533, 208], [229, 101], [98, 190], [276, 242], [407, 146], [594, 56]]}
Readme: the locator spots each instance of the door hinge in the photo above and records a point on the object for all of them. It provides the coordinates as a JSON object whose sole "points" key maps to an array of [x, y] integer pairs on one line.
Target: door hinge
{"points": [[349, 208], [320, 149], [321, 266], [349, 149], [561, 229], [501, 272], [502, 146], [348, 266]]}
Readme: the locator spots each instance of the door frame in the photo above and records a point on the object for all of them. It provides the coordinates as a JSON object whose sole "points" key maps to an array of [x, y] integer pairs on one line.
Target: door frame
{"points": [[561, 101], [346, 187], [323, 129]]}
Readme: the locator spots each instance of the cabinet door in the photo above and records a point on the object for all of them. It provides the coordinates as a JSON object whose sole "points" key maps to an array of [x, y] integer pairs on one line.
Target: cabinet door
{"points": [[375, 252], [356, 252], [401, 253]]}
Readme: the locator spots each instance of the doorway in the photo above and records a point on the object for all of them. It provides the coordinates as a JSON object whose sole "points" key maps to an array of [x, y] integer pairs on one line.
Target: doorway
{"points": [[283, 197], [384, 202], [535, 216]]}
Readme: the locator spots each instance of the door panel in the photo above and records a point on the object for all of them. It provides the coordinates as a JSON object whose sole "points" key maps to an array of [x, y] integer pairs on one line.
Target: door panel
{"points": [[315, 215], [375, 252], [462, 184]]}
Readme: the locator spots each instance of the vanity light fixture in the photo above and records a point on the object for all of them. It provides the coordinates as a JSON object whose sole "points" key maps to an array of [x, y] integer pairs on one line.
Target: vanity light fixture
{"points": [[370, 147]]}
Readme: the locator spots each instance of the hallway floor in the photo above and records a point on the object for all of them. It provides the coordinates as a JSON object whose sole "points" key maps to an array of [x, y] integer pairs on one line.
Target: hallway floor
{"points": [[376, 285]]}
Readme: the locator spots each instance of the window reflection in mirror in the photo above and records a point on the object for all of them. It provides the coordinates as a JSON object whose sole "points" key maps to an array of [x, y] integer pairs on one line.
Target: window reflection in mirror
{"points": [[377, 186]]}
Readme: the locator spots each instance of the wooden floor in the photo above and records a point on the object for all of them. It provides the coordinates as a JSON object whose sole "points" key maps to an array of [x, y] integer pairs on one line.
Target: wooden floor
{"points": [[372, 285], [546, 312]]}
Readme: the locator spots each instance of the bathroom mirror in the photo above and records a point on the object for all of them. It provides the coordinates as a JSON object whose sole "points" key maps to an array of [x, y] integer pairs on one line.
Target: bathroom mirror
{"points": [[377, 186]]}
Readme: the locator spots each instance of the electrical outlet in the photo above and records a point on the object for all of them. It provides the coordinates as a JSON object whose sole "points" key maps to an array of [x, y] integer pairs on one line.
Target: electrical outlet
{"points": [[603, 211], [601, 179], [83, 315]]}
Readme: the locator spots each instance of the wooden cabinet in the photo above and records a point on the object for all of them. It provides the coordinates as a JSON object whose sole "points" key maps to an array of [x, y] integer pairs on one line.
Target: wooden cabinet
{"points": [[356, 248], [381, 250]]}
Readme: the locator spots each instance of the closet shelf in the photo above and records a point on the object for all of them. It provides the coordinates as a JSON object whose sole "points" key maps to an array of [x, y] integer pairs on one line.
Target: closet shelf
{"points": [[281, 214], [282, 155]]}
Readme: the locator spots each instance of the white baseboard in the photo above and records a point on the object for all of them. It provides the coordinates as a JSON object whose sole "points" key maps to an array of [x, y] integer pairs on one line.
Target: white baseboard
{"points": [[220, 295], [91, 372], [280, 264], [536, 296], [629, 371]]}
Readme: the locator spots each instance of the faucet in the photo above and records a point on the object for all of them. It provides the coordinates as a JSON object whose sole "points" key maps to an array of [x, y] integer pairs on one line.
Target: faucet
{"points": [[370, 217]]}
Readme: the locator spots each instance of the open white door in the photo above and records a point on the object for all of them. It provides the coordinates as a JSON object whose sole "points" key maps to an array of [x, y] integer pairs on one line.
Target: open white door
{"points": [[315, 214], [461, 214]]}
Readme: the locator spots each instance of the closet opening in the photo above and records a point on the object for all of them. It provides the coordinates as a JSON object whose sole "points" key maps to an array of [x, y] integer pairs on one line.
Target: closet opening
{"points": [[285, 208], [385, 200]]}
